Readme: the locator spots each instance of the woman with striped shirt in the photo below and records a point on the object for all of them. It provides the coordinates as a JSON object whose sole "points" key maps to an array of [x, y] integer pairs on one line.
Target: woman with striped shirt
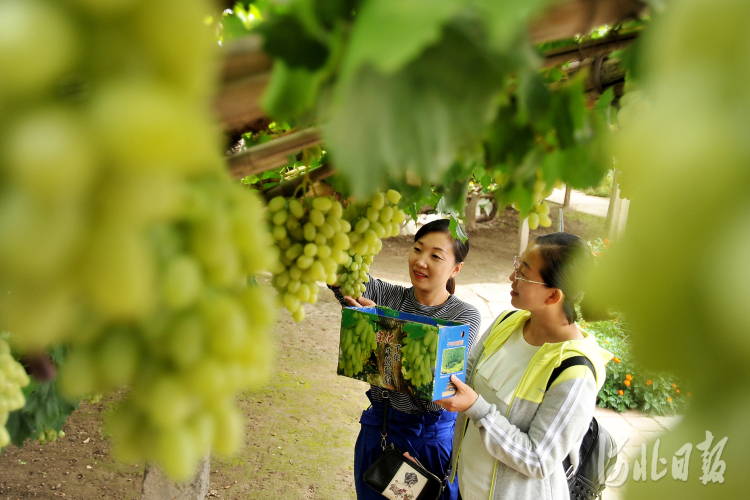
{"points": [[419, 427]]}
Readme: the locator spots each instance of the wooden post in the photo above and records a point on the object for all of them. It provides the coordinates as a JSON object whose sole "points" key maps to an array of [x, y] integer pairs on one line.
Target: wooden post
{"points": [[523, 235], [614, 204], [156, 486], [560, 222], [566, 200], [623, 219]]}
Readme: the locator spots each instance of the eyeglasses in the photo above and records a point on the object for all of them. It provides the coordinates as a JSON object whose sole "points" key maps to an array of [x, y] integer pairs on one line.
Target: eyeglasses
{"points": [[516, 262]]}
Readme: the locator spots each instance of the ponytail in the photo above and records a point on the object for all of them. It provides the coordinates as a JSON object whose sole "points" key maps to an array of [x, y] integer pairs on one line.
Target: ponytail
{"points": [[565, 257], [450, 285]]}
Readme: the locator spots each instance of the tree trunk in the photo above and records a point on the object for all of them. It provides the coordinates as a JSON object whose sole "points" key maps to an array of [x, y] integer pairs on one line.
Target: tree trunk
{"points": [[471, 213]]}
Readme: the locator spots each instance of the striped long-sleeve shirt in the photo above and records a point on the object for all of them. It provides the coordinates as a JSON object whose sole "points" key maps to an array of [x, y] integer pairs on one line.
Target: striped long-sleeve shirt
{"points": [[402, 299]]}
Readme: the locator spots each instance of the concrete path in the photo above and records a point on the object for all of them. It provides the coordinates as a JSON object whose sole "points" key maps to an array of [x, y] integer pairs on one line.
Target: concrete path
{"points": [[581, 202], [630, 430]]}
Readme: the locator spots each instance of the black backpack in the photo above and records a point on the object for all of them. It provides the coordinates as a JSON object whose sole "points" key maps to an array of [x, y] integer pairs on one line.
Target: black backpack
{"points": [[598, 453]]}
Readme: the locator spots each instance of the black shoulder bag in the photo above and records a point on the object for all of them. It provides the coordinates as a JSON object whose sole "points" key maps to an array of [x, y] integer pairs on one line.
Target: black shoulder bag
{"points": [[394, 476], [598, 452]]}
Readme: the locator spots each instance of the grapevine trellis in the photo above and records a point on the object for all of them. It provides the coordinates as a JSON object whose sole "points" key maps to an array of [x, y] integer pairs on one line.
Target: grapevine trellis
{"points": [[246, 72]]}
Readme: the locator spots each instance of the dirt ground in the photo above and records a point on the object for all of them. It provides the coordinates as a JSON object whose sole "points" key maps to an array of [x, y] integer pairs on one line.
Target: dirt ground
{"points": [[300, 427]]}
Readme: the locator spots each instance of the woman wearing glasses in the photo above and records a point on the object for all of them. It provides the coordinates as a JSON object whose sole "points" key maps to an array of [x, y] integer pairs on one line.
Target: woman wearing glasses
{"points": [[514, 433]]}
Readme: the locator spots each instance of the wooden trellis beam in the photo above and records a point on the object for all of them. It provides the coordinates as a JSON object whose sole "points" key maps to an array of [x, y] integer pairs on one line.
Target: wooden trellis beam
{"points": [[272, 154], [575, 17], [588, 49]]}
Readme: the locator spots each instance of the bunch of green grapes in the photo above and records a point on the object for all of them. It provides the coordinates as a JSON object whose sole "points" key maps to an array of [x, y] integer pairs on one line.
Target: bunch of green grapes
{"points": [[122, 234], [49, 435], [311, 238], [357, 343], [12, 378], [380, 218], [354, 274], [539, 213], [539, 216], [418, 358], [92, 398], [204, 340]]}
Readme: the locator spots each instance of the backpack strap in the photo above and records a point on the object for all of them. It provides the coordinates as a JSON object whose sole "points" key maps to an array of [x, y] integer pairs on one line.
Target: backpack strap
{"points": [[567, 363], [511, 313]]}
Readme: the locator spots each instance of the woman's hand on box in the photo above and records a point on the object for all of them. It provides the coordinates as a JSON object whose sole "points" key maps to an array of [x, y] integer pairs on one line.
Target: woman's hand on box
{"points": [[360, 302], [462, 400]]}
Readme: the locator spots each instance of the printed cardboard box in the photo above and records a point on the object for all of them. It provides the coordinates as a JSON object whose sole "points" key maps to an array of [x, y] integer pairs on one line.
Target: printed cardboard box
{"points": [[403, 352]]}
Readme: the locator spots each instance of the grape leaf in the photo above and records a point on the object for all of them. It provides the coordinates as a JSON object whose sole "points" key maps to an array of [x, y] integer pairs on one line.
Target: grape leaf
{"points": [[390, 33], [508, 19], [290, 92], [285, 38], [533, 97], [417, 118], [45, 408], [456, 230]]}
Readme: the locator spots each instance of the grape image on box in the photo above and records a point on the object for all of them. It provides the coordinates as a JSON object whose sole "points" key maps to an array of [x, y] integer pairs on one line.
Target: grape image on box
{"points": [[416, 425]]}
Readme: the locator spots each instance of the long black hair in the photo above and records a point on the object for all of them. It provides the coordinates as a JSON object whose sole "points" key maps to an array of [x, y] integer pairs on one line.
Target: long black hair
{"points": [[460, 248], [566, 257]]}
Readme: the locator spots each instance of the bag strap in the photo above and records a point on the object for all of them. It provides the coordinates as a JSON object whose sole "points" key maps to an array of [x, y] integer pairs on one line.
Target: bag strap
{"points": [[567, 363], [384, 432]]}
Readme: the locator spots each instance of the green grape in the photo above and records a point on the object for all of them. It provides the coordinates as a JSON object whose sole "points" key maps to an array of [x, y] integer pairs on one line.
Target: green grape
{"points": [[117, 357], [12, 379], [182, 281], [65, 145], [543, 208], [356, 345], [418, 358], [49, 47], [393, 196], [277, 204], [533, 220]]}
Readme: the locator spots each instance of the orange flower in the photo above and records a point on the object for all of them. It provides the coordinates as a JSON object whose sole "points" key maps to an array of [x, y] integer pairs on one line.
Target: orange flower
{"points": [[615, 320], [669, 399], [606, 241], [606, 341], [674, 386], [689, 394], [596, 254], [678, 391], [616, 359], [649, 382], [628, 377], [620, 392], [627, 382]]}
